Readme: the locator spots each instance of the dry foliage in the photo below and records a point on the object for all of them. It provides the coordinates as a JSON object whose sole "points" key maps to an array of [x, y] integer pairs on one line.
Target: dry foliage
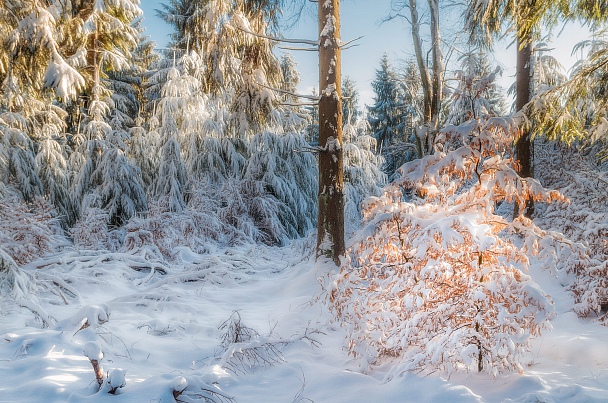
{"points": [[244, 349], [27, 231], [437, 280], [91, 230]]}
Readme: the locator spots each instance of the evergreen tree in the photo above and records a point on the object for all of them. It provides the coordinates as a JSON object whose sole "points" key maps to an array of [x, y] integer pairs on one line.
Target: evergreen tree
{"points": [[475, 96], [122, 194], [173, 183], [312, 130], [295, 116], [385, 115], [350, 101], [235, 60]]}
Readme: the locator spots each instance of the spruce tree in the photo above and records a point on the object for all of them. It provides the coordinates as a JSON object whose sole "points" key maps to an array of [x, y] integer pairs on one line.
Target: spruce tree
{"points": [[350, 101], [385, 114]]}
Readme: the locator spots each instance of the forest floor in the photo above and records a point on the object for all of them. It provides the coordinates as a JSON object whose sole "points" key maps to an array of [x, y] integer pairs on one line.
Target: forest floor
{"points": [[174, 325]]}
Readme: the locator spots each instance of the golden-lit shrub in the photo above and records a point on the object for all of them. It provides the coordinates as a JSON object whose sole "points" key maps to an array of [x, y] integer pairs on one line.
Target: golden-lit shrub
{"points": [[437, 280]]}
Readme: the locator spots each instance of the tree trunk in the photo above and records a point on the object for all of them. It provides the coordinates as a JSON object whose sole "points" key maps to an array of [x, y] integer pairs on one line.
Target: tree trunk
{"points": [[437, 55], [330, 232], [425, 76], [523, 146], [431, 87]]}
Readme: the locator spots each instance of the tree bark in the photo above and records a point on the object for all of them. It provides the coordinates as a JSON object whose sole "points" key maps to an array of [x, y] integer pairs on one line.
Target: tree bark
{"points": [[432, 85], [437, 55], [425, 76], [330, 231], [523, 145], [98, 371]]}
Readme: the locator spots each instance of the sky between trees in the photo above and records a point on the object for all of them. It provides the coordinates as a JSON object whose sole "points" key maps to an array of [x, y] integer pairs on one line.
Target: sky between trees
{"points": [[364, 18]]}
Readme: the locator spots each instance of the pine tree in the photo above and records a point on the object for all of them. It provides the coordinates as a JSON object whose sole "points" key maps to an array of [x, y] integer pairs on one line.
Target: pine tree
{"points": [[199, 26], [475, 95], [295, 116], [385, 114], [173, 183], [33, 63], [350, 102], [122, 194]]}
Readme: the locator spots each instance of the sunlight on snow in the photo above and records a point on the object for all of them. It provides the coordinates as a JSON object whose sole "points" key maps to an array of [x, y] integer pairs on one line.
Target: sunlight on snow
{"points": [[61, 379]]}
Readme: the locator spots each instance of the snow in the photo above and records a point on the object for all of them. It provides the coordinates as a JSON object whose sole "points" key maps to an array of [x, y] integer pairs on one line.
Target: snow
{"points": [[63, 77], [164, 336], [92, 350]]}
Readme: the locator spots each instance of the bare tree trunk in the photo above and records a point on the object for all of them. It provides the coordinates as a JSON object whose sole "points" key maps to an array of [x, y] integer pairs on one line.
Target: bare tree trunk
{"points": [[523, 146], [432, 88], [437, 89], [330, 232], [425, 76]]}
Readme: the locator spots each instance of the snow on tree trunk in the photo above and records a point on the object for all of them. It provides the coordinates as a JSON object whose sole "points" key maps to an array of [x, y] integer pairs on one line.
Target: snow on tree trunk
{"points": [[330, 232]]}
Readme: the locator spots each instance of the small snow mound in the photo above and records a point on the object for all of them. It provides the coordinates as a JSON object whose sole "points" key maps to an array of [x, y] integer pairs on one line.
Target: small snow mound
{"points": [[117, 378], [89, 315], [179, 384], [92, 350]]}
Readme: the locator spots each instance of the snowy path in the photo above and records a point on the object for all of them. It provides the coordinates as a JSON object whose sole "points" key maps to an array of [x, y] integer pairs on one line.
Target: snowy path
{"points": [[165, 324]]}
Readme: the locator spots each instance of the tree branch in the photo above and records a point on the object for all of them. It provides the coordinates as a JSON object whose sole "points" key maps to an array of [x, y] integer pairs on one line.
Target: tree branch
{"points": [[283, 40], [311, 97]]}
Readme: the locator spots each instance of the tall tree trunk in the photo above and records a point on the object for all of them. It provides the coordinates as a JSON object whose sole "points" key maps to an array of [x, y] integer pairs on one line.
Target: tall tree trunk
{"points": [[330, 232], [431, 87], [523, 146], [425, 76], [437, 55]]}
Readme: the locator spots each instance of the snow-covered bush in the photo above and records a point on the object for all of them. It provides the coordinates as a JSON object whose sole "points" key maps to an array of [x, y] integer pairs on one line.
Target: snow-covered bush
{"points": [[162, 231], [27, 230], [362, 174], [14, 282], [437, 280], [91, 230], [583, 265], [121, 191]]}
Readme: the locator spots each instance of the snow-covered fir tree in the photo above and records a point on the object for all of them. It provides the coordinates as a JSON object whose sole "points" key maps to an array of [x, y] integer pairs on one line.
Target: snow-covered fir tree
{"points": [[386, 112], [350, 102], [475, 95], [362, 171], [173, 183]]}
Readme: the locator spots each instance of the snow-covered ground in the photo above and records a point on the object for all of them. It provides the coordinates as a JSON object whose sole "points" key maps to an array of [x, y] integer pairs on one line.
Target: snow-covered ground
{"points": [[173, 327]]}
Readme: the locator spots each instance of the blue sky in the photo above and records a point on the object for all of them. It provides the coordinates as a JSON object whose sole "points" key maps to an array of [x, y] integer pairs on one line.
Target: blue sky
{"points": [[361, 18]]}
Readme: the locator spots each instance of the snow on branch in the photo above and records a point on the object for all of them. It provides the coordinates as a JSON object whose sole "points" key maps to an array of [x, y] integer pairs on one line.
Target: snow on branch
{"points": [[436, 279], [63, 77]]}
